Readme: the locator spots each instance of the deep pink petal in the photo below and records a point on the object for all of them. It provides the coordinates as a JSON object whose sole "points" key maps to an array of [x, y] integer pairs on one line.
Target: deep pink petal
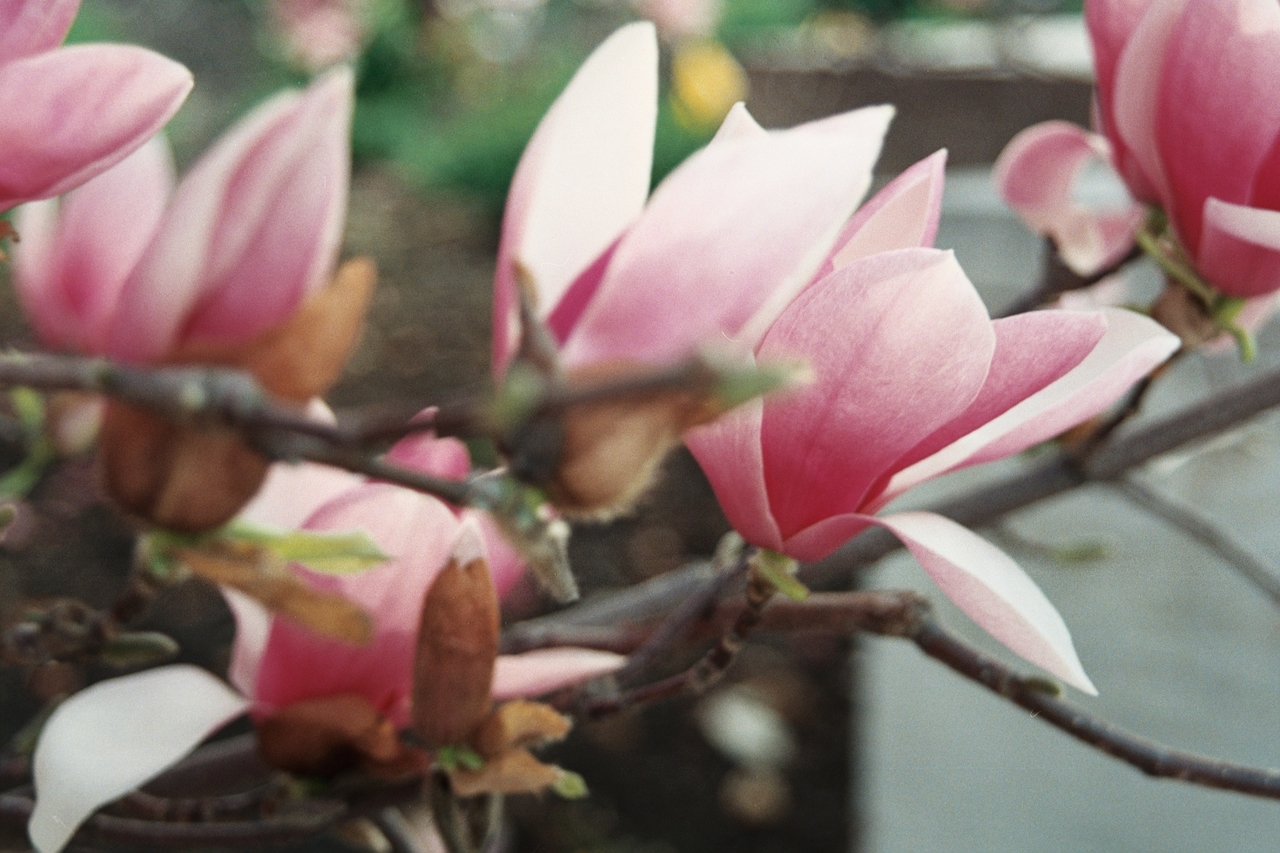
{"points": [[993, 591], [900, 344], [819, 540], [583, 178], [729, 451], [1240, 249], [419, 533], [1036, 173], [75, 112], [732, 233], [1135, 100], [1218, 114], [1032, 351], [903, 215], [1111, 24], [439, 457], [253, 229], [34, 26], [1131, 348], [70, 284], [544, 671]]}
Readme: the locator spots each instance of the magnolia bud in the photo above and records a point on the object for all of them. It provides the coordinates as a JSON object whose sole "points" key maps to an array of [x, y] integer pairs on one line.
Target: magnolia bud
{"points": [[457, 647]]}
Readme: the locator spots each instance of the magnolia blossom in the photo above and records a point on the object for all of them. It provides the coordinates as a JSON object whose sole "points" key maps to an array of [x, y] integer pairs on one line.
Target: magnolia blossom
{"points": [[132, 267], [138, 725], [71, 112], [1185, 95], [750, 243], [621, 276], [913, 380], [319, 33]]}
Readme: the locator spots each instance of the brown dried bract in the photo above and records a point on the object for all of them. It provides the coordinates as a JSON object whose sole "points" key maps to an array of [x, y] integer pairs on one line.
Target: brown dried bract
{"points": [[515, 772], [457, 648], [256, 573], [322, 737], [195, 477], [519, 724]]}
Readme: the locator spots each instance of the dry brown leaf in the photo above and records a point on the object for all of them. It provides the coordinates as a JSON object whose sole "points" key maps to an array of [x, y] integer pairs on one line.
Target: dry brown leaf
{"points": [[518, 724], [515, 772], [256, 573], [457, 648]]}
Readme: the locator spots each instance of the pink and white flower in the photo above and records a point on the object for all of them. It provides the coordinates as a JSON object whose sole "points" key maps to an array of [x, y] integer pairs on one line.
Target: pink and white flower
{"points": [[131, 267], [1185, 100], [73, 112]]}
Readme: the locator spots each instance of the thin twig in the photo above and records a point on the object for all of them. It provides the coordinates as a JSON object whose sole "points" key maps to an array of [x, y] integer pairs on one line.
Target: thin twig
{"points": [[1057, 278], [1218, 541]]}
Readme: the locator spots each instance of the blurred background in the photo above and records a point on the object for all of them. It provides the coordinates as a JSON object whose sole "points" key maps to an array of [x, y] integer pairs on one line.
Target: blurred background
{"points": [[815, 744]]}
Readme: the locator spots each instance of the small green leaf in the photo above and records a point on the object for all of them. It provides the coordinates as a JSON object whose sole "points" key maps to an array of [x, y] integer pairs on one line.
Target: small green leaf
{"points": [[138, 649], [780, 570], [570, 785], [28, 405], [450, 758], [325, 553]]}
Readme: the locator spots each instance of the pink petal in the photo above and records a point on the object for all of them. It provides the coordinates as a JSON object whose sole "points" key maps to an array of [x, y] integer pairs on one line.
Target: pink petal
{"points": [[1111, 24], [439, 457], [114, 736], [419, 533], [1035, 174], [1218, 116], [993, 591], [253, 229], [1240, 249], [819, 540], [544, 671], [734, 232], [1131, 348], [900, 344], [903, 215], [293, 492], [70, 283], [253, 629], [1032, 351], [34, 26], [506, 566], [77, 111], [583, 178], [1135, 99], [729, 451]]}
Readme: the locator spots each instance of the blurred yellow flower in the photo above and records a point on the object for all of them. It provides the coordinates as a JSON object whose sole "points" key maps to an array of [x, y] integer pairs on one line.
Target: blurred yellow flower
{"points": [[706, 81]]}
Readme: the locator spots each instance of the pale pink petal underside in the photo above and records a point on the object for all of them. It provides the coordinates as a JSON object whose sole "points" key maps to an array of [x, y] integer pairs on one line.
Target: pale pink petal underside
{"points": [[1033, 350], [34, 26], [72, 113], [729, 452], [1035, 174], [545, 671], [253, 629], [993, 591], [1240, 249], [110, 738], [903, 215], [739, 123], [728, 238], [1132, 347], [899, 344], [583, 178]]}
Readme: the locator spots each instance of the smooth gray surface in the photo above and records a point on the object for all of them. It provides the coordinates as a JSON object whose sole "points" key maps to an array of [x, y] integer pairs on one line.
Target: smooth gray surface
{"points": [[1181, 647]]}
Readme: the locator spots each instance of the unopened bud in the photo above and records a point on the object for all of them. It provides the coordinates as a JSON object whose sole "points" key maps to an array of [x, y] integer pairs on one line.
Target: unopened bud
{"points": [[457, 647]]}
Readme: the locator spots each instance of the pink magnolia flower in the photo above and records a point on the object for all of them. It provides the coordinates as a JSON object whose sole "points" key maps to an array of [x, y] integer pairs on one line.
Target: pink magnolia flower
{"points": [[1185, 98], [131, 267], [111, 738], [72, 112], [913, 380], [621, 276], [319, 33]]}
